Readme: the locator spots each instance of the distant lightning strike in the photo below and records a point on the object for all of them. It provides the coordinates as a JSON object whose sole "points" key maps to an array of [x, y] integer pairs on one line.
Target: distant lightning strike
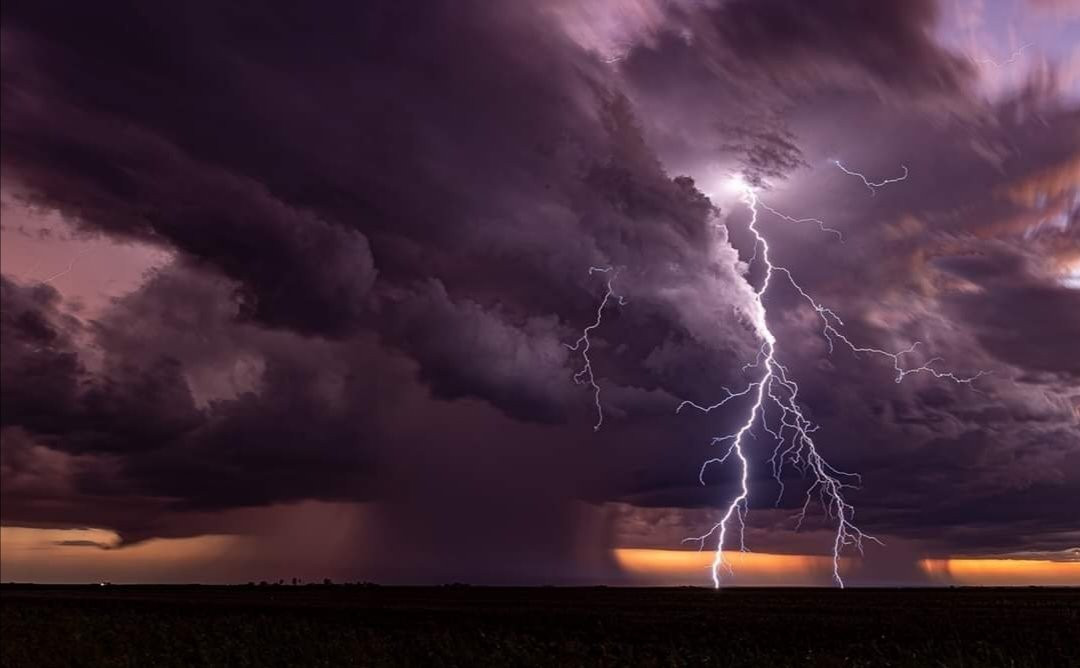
{"points": [[65, 270], [873, 185], [993, 62], [583, 344], [789, 427]]}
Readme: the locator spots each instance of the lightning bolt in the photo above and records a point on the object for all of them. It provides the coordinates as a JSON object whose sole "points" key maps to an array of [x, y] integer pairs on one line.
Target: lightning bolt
{"points": [[585, 375], [776, 409], [65, 270], [1012, 58], [872, 185], [821, 225]]}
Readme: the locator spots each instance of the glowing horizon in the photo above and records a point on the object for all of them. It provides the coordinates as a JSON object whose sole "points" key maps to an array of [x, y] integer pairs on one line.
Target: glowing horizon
{"points": [[92, 555], [685, 567]]}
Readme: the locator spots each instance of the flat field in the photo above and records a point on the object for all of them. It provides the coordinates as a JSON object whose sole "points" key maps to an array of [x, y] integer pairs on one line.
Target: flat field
{"points": [[357, 625]]}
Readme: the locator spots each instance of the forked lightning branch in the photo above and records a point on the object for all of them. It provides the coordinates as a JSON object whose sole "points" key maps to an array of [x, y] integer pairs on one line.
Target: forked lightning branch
{"points": [[771, 403]]}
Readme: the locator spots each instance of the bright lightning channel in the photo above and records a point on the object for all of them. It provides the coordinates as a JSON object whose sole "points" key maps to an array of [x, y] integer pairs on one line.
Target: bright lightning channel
{"points": [[873, 185], [821, 224], [585, 375], [792, 432]]}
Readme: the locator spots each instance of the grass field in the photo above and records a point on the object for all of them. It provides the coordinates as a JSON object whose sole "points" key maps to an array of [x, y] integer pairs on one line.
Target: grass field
{"points": [[478, 626]]}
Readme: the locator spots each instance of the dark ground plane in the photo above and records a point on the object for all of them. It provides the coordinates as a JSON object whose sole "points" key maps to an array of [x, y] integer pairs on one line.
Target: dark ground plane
{"points": [[359, 625]]}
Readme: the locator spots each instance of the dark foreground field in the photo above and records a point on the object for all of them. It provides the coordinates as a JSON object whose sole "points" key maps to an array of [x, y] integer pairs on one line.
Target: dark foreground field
{"points": [[475, 626]]}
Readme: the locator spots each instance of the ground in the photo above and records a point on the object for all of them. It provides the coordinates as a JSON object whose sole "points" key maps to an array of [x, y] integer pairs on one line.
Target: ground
{"points": [[365, 625]]}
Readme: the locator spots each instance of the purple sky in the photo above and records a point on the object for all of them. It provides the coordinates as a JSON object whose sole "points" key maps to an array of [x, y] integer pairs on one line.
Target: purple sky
{"points": [[286, 289]]}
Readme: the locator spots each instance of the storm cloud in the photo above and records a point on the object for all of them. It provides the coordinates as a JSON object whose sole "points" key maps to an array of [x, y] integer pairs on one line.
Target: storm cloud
{"points": [[382, 219]]}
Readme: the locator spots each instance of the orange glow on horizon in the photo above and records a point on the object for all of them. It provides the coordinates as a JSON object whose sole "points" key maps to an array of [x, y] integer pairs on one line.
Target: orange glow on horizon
{"points": [[1005, 572], [691, 567], [93, 555]]}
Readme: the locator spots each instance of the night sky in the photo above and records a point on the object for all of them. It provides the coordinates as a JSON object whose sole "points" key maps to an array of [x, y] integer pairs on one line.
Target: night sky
{"points": [[287, 287]]}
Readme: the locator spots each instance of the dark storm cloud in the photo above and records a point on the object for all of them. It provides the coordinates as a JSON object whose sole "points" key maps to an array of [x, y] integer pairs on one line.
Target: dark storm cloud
{"points": [[282, 418], [48, 390], [384, 215], [465, 349], [987, 498], [1020, 319], [289, 431], [789, 47], [298, 270], [40, 365], [718, 80], [281, 155], [967, 258], [889, 42], [357, 170], [971, 255]]}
